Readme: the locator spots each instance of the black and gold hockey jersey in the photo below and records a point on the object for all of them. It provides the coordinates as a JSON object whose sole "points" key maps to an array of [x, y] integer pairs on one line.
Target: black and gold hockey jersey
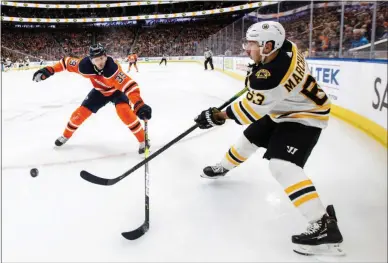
{"points": [[285, 90]]}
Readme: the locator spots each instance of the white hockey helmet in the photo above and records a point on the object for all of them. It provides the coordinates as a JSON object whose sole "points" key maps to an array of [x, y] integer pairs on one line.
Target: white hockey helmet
{"points": [[263, 32]]}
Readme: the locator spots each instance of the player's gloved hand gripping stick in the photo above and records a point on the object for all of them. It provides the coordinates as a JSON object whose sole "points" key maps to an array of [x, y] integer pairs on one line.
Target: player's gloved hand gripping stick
{"points": [[104, 181]]}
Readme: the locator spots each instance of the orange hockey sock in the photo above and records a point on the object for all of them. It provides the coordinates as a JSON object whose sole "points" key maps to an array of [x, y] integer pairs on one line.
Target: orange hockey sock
{"points": [[130, 120], [76, 119]]}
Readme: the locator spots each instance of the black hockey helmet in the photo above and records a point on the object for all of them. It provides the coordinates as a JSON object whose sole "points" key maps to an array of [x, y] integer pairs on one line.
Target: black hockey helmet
{"points": [[96, 50]]}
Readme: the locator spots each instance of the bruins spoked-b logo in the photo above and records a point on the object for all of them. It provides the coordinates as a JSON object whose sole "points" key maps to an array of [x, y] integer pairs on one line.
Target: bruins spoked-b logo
{"points": [[265, 26], [263, 74]]}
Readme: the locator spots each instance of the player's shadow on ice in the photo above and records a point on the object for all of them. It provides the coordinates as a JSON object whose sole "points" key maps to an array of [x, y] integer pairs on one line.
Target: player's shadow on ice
{"points": [[229, 182], [104, 150]]}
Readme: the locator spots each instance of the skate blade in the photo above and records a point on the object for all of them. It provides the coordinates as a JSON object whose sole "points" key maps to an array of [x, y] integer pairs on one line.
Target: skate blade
{"points": [[320, 250], [211, 177]]}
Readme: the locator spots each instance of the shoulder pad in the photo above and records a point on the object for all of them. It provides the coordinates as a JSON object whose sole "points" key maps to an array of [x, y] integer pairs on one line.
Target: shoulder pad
{"points": [[110, 68], [287, 46], [85, 66]]}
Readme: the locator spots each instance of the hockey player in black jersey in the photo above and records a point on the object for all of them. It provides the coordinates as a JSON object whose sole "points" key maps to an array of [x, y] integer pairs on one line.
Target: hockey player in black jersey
{"points": [[286, 111]]}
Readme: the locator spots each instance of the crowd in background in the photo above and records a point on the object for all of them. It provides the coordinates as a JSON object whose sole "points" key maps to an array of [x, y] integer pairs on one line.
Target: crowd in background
{"points": [[176, 38], [190, 38], [357, 29], [188, 6], [326, 28], [16, 45], [171, 39]]}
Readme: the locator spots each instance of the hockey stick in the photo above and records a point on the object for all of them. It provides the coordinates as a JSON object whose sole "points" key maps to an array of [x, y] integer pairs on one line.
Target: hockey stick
{"points": [[138, 232], [104, 181]]}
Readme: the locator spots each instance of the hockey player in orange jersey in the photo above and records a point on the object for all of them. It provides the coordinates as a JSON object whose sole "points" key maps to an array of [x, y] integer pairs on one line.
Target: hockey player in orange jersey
{"points": [[110, 84], [132, 59]]}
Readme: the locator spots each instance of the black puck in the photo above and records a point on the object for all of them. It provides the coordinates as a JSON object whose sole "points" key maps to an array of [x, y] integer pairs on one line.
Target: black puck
{"points": [[34, 172]]}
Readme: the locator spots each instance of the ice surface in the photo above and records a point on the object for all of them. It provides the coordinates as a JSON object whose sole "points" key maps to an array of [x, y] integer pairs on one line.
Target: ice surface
{"points": [[244, 217]]}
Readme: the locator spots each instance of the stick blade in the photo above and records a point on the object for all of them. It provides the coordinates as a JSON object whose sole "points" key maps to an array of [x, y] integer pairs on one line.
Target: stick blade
{"points": [[94, 179], [138, 232]]}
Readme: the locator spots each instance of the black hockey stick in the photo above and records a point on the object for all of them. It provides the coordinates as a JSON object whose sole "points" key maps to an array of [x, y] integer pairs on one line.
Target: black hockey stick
{"points": [[138, 232], [104, 181]]}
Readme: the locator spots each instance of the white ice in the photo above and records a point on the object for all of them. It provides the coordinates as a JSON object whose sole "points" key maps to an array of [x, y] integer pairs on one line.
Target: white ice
{"points": [[245, 217]]}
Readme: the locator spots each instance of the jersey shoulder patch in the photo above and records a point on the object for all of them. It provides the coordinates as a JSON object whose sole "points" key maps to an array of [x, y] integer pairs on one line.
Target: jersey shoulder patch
{"points": [[268, 76], [263, 74], [86, 66], [110, 68]]}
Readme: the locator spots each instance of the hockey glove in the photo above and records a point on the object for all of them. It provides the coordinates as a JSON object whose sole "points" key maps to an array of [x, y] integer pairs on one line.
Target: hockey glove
{"points": [[207, 120], [43, 74], [142, 110]]}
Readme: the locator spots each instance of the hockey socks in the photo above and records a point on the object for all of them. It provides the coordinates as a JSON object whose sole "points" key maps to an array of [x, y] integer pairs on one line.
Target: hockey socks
{"points": [[76, 119], [298, 187], [238, 153], [130, 120]]}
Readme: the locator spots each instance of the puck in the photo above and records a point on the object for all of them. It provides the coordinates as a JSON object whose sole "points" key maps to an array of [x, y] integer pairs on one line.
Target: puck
{"points": [[34, 172]]}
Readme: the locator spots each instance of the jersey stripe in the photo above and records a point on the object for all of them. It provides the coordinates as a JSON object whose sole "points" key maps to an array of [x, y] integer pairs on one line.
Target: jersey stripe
{"points": [[250, 109], [127, 84], [246, 113], [292, 65], [63, 64], [238, 113], [302, 116], [132, 89]]}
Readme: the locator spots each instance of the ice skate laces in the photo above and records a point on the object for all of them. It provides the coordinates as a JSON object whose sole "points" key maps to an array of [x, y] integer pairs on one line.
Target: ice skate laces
{"points": [[313, 228], [218, 168]]}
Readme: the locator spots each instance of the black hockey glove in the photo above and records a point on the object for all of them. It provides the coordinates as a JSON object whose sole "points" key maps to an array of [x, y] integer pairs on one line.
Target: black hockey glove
{"points": [[142, 110], [43, 74], [206, 119]]}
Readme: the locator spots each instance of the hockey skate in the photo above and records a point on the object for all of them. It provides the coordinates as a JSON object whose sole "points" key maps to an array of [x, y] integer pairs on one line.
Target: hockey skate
{"points": [[214, 172], [321, 238], [61, 140], [142, 146]]}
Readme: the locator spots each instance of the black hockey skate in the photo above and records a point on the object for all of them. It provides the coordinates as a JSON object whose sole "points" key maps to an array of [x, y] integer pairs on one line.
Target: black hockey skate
{"points": [[214, 172], [321, 238], [61, 140], [142, 146]]}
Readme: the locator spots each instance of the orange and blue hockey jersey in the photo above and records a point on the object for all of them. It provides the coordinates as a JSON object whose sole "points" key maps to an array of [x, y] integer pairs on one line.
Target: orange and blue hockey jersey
{"points": [[132, 58], [110, 79]]}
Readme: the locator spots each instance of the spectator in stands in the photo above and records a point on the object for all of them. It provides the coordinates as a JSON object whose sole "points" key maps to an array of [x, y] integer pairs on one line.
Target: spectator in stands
{"points": [[334, 43], [380, 29], [358, 38], [324, 42], [385, 35], [348, 37]]}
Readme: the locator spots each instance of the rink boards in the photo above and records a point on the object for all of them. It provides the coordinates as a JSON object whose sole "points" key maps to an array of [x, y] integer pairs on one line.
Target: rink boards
{"points": [[357, 88]]}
